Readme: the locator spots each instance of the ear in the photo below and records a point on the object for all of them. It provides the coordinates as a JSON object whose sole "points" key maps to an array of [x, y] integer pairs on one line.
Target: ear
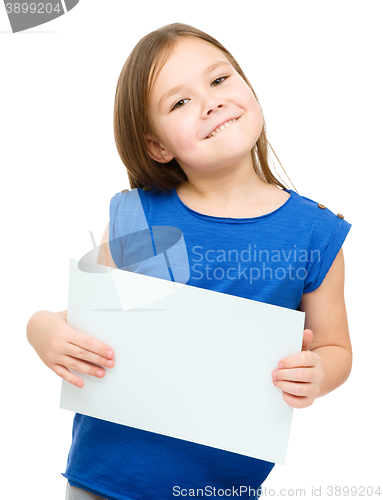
{"points": [[157, 151]]}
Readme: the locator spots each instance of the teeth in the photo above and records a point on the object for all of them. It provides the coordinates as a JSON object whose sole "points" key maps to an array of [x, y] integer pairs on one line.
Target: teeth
{"points": [[222, 127]]}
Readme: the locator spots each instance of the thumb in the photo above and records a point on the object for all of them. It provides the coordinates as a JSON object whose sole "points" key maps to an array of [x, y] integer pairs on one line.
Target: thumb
{"points": [[308, 336]]}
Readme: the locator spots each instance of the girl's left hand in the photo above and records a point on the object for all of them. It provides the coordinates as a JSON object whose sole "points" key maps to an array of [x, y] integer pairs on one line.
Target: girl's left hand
{"points": [[300, 377]]}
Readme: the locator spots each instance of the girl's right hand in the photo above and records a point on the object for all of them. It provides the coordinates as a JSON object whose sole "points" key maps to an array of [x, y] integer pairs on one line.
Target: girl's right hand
{"points": [[62, 348]]}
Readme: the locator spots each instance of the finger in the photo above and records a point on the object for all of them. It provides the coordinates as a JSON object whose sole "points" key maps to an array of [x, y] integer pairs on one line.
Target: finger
{"points": [[293, 388], [301, 359], [296, 401], [83, 367], [89, 343], [70, 377], [84, 355], [293, 374], [308, 336]]}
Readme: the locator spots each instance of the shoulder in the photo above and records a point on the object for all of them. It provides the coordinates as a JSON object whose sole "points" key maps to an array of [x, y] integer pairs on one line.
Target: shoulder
{"points": [[127, 192], [325, 235], [143, 192], [138, 197], [126, 197], [313, 206], [316, 213], [127, 212]]}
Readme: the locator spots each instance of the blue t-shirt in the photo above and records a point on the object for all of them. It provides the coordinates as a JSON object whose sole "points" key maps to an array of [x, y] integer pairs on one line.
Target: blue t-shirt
{"points": [[274, 258]]}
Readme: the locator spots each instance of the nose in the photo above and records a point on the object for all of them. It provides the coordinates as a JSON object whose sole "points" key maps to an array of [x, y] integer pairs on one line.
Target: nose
{"points": [[212, 103], [213, 108]]}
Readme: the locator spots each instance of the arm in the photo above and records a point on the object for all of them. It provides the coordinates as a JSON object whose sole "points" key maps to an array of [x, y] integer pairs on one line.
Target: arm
{"points": [[61, 347], [326, 358], [104, 256]]}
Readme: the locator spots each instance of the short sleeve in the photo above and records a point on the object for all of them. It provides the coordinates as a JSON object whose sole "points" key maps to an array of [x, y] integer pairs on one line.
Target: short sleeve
{"points": [[157, 251], [328, 233], [127, 217], [114, 243]]}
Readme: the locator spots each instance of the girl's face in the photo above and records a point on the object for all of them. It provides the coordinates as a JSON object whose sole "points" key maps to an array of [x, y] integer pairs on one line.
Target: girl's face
{"points": [[194, 100]]}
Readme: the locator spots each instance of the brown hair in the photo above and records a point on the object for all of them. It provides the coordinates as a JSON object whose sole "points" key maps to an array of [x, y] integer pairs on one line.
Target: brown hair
{"points": [[131, 104]]}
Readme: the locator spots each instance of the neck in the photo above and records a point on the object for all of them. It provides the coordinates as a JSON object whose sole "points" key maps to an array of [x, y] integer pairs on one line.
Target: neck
{"points": [[225, 187]]}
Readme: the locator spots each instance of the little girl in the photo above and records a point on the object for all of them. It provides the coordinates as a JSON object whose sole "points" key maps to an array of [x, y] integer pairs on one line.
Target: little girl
{"points": [[190, 131]]}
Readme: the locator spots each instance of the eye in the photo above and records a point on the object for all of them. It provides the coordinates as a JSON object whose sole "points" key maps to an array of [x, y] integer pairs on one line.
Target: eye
{"points": [[219, 80], [179, 104]]}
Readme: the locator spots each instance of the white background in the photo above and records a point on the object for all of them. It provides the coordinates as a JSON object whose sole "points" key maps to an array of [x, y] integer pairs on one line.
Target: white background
{"points": [[316, 68]]}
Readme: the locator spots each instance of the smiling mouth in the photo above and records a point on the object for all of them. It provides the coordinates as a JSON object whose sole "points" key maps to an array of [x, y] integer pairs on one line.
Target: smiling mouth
{"points": [[222, 127]]}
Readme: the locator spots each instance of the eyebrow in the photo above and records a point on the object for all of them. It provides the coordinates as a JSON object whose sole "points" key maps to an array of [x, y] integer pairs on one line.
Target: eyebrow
{"points": [[175, 90]]}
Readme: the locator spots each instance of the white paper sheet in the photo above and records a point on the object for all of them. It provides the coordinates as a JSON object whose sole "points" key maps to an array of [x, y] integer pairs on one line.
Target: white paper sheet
{"points": [[191, 363]]}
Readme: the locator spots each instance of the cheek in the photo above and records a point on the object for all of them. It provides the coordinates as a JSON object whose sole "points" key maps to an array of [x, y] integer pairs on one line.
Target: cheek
{"points": [[256, 118], [252, 104], [258, 112], [182, 134]]}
